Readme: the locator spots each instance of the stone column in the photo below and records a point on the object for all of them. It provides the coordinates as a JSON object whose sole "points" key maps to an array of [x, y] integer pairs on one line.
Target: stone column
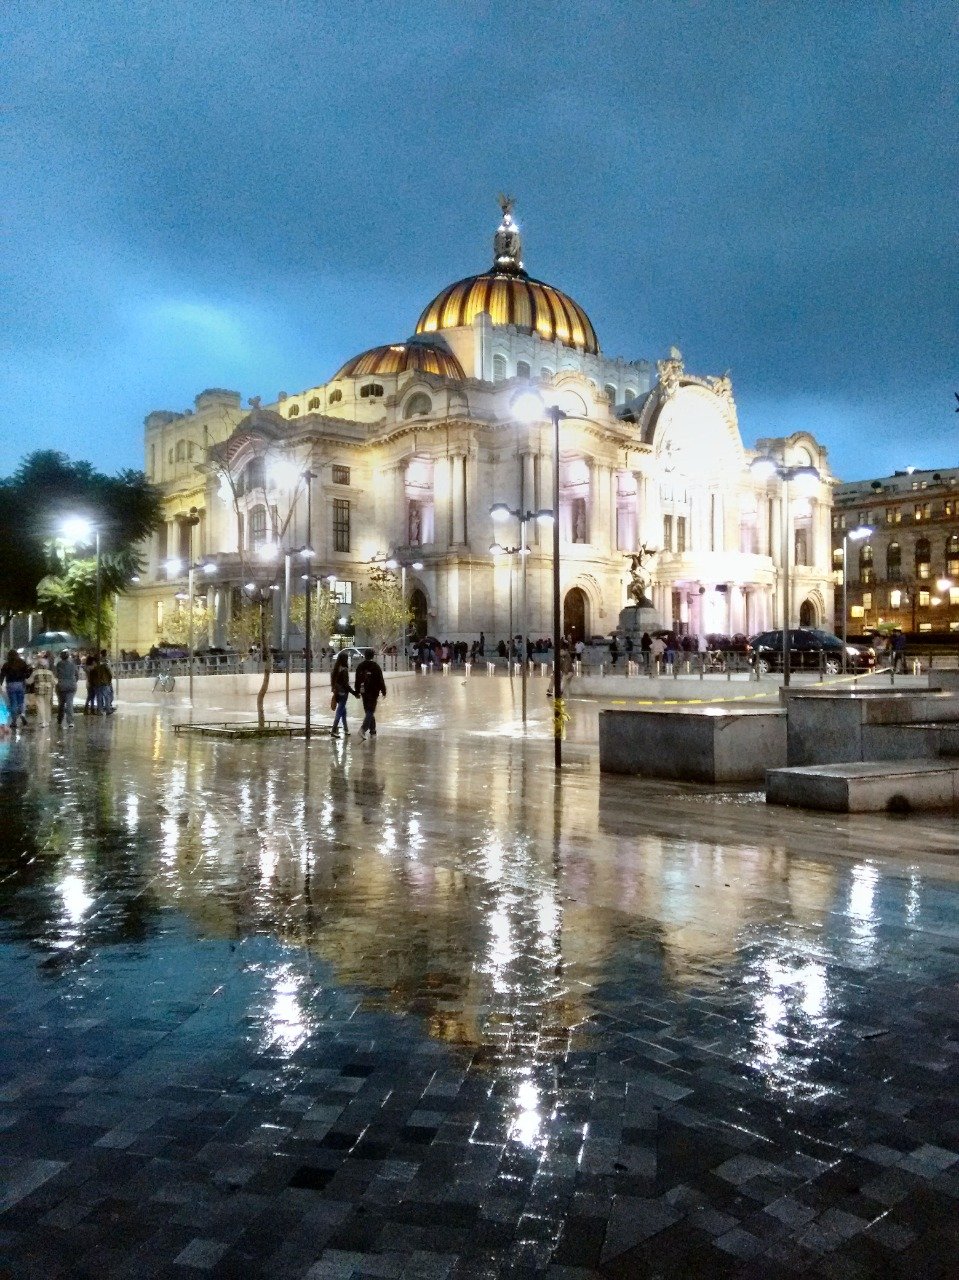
{"points": [[458, 498], [397, 521], [528, 498]]}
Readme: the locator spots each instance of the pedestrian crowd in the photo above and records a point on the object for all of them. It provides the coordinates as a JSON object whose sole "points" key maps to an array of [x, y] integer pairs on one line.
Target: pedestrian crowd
{"points": [[29, 687]]}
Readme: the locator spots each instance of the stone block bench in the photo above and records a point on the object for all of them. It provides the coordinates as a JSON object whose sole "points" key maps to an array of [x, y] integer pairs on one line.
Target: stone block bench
{"points": [[711, 744], [833, 725], [867, 786]]}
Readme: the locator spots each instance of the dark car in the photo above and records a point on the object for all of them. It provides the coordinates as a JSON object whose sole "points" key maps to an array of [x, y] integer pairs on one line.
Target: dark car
{"points": [[809, 650]]}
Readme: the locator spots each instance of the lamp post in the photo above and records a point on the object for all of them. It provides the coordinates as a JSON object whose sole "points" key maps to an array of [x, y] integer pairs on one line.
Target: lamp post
{"points": [[308, 477], [766, 467], [852, 535], [403, 565], [500, 511], [556, 416], [77, 529]]}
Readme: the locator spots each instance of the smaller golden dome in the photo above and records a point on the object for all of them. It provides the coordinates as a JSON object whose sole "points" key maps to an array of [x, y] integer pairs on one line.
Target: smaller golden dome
{"points": [[403, 357]]}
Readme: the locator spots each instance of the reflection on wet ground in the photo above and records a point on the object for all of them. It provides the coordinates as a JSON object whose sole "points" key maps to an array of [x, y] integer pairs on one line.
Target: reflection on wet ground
{"points": [[408, 1008]]}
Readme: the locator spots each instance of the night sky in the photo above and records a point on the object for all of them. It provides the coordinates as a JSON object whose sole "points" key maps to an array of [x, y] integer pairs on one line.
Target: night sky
{"points": [[244, 195]]}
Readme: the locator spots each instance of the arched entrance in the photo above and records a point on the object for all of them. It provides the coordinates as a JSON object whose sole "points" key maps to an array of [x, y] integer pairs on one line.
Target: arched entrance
{"points": [[808, 614], [418, 610], [575, 615]]}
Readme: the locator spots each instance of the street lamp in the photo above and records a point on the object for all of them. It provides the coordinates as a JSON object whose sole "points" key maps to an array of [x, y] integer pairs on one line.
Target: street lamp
{"points": [[403, 565], [308, 477], [77, 529], [765, 467], [851, 535], [500, 512]]}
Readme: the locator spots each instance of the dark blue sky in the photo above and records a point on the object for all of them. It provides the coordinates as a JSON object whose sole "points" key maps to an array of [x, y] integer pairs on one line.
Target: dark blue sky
{"points": [[244, 195]]}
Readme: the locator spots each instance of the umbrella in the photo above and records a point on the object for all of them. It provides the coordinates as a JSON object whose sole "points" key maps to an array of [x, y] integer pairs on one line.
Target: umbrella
{"points": [[56, 640]]}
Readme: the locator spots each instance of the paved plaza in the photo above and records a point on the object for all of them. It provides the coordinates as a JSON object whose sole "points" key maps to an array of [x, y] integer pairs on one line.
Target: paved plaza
{"points": [[407, 1008]]}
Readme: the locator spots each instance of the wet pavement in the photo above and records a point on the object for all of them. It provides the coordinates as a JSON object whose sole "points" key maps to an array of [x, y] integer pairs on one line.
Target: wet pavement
{"points": [[408, 1008]]}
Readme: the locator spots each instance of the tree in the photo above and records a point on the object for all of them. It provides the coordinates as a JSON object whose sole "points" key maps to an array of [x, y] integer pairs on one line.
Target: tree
{"points": [[324, 610], [383, 613], [46, 489], [176, 626]]}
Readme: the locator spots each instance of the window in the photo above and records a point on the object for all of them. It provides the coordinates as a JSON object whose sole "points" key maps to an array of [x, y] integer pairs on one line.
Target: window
{"points": [[419, 405], [952, 555], [954, 595], [257, 527], [159, 615], [546, 374], [314, 403], [924, 599], [336, 396], [610, 391], [341, 475], [180, 450], [169, 457], [341, 524], [499, 368], [835, 520], [189, 450], [630, 393], [667, 533], [523, 370], [680, 534], [294, 410], [894, 562], [895, 598], [923, 558], [253, 477], [371, 391], [865, 563], [867, 599]]}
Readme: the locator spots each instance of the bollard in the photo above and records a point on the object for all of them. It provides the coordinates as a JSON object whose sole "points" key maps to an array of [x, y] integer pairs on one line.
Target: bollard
{"points": [[491, 668], [702, 666], [468, 667], [578, 666]]}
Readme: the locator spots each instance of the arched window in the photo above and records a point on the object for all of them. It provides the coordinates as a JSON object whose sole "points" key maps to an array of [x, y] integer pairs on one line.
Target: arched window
{"points": [[952, 555], [630, 393], [189, 451], [371, 391], [499, 368], [257, 527], [522, 369], [336, 396], [169, 456], [418, 406], [313, 404], [254, 475], [865, 563], [294, 410], [923, 558], [610, 391], [546, 373], [894, 562], [180, 450]]}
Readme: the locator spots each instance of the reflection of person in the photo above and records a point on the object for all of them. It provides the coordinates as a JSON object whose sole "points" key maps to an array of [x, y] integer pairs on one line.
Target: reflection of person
{"points": [[340, 685], [370, 685], [66, 675]]}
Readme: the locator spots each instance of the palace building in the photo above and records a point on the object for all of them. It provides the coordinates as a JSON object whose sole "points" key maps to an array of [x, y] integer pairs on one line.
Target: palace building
{"points": [[410, 443]]}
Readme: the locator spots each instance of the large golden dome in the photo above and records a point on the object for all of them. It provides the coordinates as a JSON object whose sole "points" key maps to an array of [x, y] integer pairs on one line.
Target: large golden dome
{"points": [[511, 297], [401, 357]]}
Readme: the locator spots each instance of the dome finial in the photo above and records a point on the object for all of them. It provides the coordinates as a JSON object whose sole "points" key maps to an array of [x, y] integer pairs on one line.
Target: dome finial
{"points": [[507, 245]]}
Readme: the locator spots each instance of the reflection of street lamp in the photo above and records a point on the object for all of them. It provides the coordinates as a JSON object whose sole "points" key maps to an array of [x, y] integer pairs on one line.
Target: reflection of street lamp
{"points": [[852, 535], [765, 467], [77, 529], [500, 511], [403, 565]]}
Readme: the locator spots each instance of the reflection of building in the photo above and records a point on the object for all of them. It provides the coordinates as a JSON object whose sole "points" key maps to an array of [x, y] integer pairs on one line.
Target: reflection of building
{"points": [[906, 573], [412, 443]]}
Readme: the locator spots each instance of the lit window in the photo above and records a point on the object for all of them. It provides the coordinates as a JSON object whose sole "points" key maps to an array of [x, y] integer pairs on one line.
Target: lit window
{"points": [[371, 391], [341, 475], [294, 410], [865, 563], [925, 626], [336, 396], [867, 599], [893, 562], [895, 599], [314, 403], [954, 595], [924, 599]]}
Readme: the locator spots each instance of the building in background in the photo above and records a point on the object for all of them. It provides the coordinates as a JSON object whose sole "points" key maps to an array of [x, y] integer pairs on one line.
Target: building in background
{"points": [[412, 442], [906, 573]]}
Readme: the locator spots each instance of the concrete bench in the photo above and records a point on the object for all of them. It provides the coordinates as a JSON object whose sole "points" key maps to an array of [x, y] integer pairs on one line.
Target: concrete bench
{"points": [[711, 744], [867, 786], [830, 725]]}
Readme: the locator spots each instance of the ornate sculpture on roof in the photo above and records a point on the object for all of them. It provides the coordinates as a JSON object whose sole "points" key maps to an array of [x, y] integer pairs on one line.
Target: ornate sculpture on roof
{"points": [[507, 245], [722, 386], [640, 575], [671, 370]]}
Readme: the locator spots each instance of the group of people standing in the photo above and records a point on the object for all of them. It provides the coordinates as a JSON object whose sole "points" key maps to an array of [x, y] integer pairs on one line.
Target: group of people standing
{"points": [[44, 678]]}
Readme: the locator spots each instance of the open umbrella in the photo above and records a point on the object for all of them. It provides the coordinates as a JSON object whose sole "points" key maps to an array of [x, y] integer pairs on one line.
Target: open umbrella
{"points": [[56, 640]]}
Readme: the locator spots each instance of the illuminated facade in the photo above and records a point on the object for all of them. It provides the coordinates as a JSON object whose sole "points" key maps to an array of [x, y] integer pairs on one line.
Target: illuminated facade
{"points": [[411, 443]]}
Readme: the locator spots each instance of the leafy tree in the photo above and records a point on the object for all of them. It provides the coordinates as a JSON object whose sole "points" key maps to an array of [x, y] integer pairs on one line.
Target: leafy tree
{"points": [[243, 629], [324, 611], [46, 489], [176, 626], [383, 613]]}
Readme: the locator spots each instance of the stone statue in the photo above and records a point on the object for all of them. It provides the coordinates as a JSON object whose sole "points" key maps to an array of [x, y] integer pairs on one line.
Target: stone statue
{"points": [[639, 574], [507, 204], [414, 532], [507, 245], [670, 371]]}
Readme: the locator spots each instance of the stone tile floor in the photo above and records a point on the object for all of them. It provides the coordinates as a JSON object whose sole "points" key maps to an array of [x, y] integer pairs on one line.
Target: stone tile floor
{"points": [[407, 1008]]}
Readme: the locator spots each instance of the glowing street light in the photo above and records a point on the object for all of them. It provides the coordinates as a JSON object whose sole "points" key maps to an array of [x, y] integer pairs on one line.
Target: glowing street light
{"points": [[79, 529], [499, 512]]}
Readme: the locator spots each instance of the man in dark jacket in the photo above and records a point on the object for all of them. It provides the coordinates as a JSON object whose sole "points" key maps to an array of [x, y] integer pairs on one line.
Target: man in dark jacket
{"points": [[369, 683]]}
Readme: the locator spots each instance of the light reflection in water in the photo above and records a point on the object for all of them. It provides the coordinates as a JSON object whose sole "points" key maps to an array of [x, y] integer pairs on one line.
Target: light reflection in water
{"points": [[862, 908], [76, 900], [792, 1023], [284, 1024], [528, 1122]]}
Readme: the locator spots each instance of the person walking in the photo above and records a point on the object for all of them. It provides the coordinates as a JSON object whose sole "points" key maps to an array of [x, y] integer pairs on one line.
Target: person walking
{"points": [[657, 652], [370, 685], [15, 673], [898, 647], [41, 683], [613, 651], [104, 685], [66, 674], [341, 690], [645, 644]]}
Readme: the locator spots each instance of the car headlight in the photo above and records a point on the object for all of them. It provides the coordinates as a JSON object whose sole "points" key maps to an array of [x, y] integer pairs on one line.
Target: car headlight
{"points": [[852, 651]]}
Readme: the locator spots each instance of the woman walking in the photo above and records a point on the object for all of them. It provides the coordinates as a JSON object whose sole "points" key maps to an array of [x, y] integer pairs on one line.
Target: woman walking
{"points": [[340, 686], [15, 672]]}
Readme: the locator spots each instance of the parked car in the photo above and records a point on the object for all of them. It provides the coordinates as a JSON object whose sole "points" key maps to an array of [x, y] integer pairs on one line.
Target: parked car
{"points": [[809, 650]]}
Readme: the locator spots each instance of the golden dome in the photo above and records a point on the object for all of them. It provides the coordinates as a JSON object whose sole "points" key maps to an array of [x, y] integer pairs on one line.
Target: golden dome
{"points": [[402, 357], [512, 299]]}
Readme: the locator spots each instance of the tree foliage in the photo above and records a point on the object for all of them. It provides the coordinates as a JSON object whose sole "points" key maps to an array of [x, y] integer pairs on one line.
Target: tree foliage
{"points": [[176, 625], [383, 613], [324, 610], [46, 489]]}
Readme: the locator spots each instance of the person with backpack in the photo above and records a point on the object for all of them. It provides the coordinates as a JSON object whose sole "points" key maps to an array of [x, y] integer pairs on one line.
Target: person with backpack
{"points": [[370, 685], [341, 690]]}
